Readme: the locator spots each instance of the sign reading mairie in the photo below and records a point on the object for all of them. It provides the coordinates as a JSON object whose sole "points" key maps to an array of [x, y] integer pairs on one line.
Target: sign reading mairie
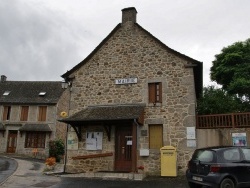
{"points": [[126, 81]]}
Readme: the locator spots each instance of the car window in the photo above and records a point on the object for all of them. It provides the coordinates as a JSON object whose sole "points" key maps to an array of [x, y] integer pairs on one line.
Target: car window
{"points": [[246, 152], [231, 154], [203, 155]]}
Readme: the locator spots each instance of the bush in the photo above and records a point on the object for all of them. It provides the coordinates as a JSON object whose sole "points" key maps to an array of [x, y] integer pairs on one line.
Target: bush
{"points": [[56, 149]]}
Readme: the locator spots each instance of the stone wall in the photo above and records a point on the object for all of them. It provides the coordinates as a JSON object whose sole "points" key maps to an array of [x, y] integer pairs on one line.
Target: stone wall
{"points": [[132, 52], [92, 164], [217, 137], [63, 106]]}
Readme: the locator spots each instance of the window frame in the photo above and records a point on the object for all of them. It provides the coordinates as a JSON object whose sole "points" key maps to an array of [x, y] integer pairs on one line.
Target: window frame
{"points": [[155, 92], [35, 139]]}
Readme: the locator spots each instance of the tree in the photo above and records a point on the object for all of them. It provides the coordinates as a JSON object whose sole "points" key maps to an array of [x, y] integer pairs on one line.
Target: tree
{"points": [[218, 101], [231, 69]]}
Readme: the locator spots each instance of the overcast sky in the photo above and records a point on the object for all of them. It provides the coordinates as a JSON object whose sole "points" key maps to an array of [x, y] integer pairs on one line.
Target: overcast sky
{"points": [[42, 39]]}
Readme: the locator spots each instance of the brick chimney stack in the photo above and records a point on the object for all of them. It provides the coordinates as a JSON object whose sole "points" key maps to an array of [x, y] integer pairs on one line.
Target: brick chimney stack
{"points": [[129, 15], [3, 78]]}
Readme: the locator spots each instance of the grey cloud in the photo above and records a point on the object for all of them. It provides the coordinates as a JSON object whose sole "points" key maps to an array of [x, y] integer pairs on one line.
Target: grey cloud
{"points": [[41, 40], [35, 45]]}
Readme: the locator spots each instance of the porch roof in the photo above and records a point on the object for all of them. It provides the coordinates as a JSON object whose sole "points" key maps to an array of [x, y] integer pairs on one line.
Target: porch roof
{"points": [[107, 113], [36, 127]]}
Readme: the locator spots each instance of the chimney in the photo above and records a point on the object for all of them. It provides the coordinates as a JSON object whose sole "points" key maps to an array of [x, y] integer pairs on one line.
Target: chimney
{"points": [[3, 78], [129, 15]]}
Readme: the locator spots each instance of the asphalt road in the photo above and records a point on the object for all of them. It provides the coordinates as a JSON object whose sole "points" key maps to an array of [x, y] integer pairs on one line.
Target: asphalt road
{"points": [[30, 174], [150, 182], [7, 167]]}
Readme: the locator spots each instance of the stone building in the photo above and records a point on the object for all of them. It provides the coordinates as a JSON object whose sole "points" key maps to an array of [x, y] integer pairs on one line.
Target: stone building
{"points": [[28, 116], [131, 96]]}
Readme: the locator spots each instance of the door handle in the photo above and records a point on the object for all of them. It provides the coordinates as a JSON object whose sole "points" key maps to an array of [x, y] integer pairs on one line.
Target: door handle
{"points": [[123, 150]]}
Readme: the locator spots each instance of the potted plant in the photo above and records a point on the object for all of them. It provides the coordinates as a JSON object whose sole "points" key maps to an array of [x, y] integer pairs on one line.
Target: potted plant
{"points": [[50, 163]]}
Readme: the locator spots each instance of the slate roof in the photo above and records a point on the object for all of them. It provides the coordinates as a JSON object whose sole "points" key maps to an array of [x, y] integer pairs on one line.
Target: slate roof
{"points": [[27, 92], [36, 128], [109, 112]]}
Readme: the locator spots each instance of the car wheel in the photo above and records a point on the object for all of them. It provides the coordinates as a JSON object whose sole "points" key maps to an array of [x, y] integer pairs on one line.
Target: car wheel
{"points": [[227, 183], [194, 185]]}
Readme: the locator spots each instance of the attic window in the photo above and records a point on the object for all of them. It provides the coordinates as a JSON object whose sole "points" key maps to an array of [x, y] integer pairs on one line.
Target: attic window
{"points": [[6, 93], [42, 93]]}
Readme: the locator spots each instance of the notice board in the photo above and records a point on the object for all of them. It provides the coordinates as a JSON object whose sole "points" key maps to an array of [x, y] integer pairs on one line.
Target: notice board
{"points": [[94, 140]]}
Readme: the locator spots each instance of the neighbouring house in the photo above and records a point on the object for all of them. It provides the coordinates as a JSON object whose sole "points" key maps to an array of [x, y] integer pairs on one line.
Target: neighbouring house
{"points": [[131, 96], [28, 116]]}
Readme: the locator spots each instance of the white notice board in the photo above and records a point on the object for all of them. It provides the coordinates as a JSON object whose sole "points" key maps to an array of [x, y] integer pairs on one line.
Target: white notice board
{"points": [[94, 140], [191, 133]]}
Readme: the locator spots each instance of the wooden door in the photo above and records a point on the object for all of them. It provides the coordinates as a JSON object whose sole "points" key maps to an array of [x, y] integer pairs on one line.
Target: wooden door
{"points": [[12, 141], [123, 145]]}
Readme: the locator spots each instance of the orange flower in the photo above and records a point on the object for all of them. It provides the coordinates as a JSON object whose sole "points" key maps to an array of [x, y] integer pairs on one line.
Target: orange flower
{"points": [[50, 161]]}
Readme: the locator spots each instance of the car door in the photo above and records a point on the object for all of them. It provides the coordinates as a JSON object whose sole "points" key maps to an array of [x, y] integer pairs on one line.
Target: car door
{"points": [[246, 166], [233, 165]]}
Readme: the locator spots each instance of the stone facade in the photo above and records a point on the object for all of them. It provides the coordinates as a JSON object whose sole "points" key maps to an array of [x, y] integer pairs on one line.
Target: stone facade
{"points": [[62, 106], [132, 52]]}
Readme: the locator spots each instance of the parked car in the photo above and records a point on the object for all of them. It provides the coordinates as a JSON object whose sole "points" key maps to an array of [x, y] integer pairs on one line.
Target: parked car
{"points": [[219, 167]]}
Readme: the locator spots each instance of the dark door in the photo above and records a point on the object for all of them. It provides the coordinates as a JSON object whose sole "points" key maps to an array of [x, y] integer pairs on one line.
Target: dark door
{"points": [[12, 140], [123, 148]]}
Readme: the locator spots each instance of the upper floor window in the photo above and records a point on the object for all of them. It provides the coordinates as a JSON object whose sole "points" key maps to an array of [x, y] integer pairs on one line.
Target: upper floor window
{"points": [[6, 113], [42, 112], [155, 92], [24, 113]]}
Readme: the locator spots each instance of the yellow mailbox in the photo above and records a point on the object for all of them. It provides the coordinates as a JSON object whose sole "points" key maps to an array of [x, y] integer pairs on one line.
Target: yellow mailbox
{"points": [[168, 161]]}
